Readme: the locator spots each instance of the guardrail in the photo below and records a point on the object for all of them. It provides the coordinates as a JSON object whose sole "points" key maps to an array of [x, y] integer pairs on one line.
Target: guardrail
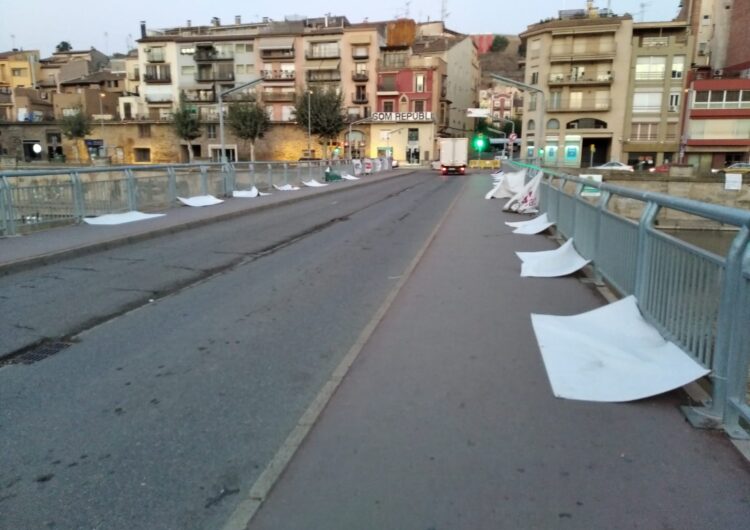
{"points": [[697, 299], [39, 199]]}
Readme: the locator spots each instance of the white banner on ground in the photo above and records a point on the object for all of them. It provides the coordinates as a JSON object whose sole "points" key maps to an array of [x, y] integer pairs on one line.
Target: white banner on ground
{"points": [[246, 194], [610, 354], [347, 176], [286, 187], [508, 184], [531, 227], [120, 218], [526, 200], [200, 200], [552, 263], [312, 183]]}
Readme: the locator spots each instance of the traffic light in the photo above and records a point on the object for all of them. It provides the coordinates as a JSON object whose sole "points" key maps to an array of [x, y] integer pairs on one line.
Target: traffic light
{"points": [[479, 142]]}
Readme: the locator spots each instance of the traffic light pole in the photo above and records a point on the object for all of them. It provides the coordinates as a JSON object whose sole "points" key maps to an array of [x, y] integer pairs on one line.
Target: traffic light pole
{"points": [[539, 132]]}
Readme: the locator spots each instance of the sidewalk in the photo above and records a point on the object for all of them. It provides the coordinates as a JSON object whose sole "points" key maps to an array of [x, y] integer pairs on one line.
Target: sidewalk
{"points": [[51, 245], [446, 420]]}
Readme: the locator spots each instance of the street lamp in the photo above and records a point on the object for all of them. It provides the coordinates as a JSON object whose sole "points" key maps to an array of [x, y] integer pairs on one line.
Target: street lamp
{"points": [[101, 120], [223, 156], [309, 123], [540, 111]]}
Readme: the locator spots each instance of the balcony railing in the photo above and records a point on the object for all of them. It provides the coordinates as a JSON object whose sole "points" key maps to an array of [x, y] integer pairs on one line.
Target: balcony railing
{"points": [[208, 76], [322, 54], [397, 61], [584, 105], [278, 75], [597, 79], [360, 76], [360, 55], [323, 76], [359, 98], [277, 54], [155, 57], [576, 52], [159, 98], [387, 87], [650, 76], [157, 79], [200, 96], [240, 97], [273, 97], [208, 55], [647, 109]]}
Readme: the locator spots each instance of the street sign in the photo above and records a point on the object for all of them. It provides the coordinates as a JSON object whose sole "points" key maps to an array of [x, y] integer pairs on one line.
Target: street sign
{"points": [[477, 113]]}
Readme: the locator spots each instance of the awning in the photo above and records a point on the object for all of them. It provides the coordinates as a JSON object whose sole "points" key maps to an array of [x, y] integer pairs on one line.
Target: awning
{"points": [[277, 43], [360, 39], [322, 64]]}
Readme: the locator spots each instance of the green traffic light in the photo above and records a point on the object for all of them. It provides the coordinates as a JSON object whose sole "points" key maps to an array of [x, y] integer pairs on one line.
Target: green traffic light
{"points": [[479, 143]]}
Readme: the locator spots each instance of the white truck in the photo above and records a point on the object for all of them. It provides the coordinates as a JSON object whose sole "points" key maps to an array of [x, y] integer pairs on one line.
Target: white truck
{"points": [[453, 155]]}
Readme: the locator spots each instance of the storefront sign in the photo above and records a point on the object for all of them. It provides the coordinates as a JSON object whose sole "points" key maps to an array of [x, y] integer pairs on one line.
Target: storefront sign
{"points": [[401, 116]]}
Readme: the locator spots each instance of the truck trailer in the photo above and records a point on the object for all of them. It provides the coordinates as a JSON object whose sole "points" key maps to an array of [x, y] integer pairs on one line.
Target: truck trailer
{"points": [[453, 155]]}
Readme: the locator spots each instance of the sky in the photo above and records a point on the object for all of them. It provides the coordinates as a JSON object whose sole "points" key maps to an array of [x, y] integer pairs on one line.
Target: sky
{"points": [[111, 26]]}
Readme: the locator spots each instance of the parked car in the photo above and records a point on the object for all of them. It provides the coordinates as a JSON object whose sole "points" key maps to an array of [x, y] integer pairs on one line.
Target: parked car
{"points": [[664, 168], [614, 166], [737, 167]]}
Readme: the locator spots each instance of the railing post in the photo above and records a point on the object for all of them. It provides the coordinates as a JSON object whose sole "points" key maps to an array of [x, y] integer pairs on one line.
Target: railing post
{"points": [[227, 171], [132, 190], [270, 176], [6, 207], [204, 180], [251, 170], [286, 173], [644, 250], [79, 208], [299, 173], [171, 185], [600, 208]]}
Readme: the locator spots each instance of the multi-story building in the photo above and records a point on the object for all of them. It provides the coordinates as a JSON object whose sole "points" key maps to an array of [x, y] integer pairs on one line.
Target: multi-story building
{"points": [[18, 69], [659, 64], [580, 63]]}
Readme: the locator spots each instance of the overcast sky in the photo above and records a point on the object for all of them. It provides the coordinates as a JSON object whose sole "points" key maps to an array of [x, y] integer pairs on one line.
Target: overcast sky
{"points": [[109, 26]]}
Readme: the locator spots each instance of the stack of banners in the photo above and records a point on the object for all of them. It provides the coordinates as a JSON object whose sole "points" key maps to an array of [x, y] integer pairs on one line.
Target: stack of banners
{"points": [[285, 187], [610, 354], [120, 218], [357, 167], [200, 200], [533, 226], [552, 263], [508, 186], [347, 176], [312, 183], [527, 199], [246, 194]]}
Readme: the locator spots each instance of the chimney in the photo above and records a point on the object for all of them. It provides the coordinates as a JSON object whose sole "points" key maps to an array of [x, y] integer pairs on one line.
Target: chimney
{"points": [[143, 29], [215, 22], [190, 23], [265, 20], [237, 19]]}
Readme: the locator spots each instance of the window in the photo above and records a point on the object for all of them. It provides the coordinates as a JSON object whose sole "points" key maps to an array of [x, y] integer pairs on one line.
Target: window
{"points": [[531, 125], [187, 50], [187, 70], [674, 101], [722, 99], [388, 83], [553, 124], [144, 130], [413, 135], [287, 112], [419, 83], [360, 52], [243, 48], [534, 78], [555, 99], [240, 69], [210, 130], [387, 106], [19, 72], [532, 101], [678, 66], [647, 101], [323, 50], [641, 131], [650, 68], [419, 105], [142, 154]]}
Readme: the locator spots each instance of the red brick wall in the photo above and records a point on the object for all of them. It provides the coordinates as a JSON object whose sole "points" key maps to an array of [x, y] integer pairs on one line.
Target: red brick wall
{"points": [[739, 35]]}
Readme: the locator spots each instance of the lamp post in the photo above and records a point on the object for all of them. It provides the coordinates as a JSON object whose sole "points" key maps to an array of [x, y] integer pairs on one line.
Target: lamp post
{"points": [[309, 123], [349, 136], [540, 111], [223, 155], [101, 121]]}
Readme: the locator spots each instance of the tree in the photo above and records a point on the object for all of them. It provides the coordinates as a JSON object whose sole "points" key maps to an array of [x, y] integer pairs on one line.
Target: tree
{"points": [[186, 124], [248, 122], [64, 46], [76, 126], [499, 43], [326, 116]]}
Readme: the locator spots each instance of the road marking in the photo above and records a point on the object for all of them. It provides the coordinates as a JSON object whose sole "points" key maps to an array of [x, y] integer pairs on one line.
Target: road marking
{"points": [[246, 509]]}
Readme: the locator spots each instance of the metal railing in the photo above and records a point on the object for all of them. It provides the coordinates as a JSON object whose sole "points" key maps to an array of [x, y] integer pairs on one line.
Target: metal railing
{"points": [[39, 199], [695, 298]]}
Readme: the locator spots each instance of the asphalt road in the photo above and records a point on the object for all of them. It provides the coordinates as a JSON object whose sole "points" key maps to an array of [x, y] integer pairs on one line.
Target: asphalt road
{"points": [[191, 356]]}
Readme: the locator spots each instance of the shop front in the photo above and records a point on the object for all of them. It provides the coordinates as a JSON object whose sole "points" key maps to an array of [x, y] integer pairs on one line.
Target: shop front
{"points": [[408, 137]]}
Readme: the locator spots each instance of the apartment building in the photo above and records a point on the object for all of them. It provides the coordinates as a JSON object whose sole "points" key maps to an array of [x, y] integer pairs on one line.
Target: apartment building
{"points": [[18, 69], [653, 119], [579, 63]]}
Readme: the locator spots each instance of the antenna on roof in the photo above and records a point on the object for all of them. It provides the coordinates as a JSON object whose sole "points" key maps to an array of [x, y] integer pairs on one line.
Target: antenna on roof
{"points": [[444, 10], [408, 5], [642, 11]]}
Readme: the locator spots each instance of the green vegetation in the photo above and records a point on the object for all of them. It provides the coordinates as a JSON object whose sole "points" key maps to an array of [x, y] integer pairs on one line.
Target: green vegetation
{"points": [[76, 127], [326, 114], [186, 124], [499, 43], [248, 122]]}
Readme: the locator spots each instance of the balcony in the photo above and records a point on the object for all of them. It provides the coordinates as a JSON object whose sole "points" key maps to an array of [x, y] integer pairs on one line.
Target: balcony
{"points": [[360, 55], [360, 76], [314, 55], [583, 53], [157, 79], [134, 76], [278, 75], [277, 97], [203, 55], [200, 96], [595, 79], [650, 76], [155, 57], [323, 76], [277, 54], [159, 98], [582, 105], [360, 98], [207, 76], [241, 97]]}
